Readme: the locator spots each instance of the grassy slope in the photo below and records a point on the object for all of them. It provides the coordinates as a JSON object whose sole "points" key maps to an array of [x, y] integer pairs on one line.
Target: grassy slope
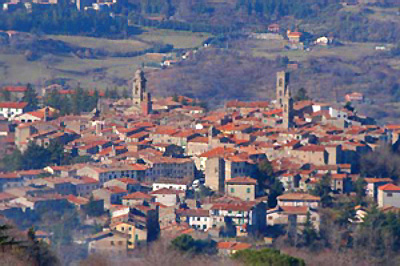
{"points": [[98, 73]]}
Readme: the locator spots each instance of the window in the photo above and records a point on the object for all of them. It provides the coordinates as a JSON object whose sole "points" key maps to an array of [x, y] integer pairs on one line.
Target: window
{"points": [[248, 190], [389, 194], [232, 190], [120, 243], [112, 243], [122, 228]]}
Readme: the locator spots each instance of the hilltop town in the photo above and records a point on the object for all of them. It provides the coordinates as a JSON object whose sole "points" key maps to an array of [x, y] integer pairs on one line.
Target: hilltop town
{"points": [[135, 170]]}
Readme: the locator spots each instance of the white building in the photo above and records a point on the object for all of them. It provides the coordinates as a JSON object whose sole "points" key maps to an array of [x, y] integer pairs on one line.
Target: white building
{"points": [[389, 196], [299, 199], [168, 197], [170, 185], [12, 109], [196, 218]]}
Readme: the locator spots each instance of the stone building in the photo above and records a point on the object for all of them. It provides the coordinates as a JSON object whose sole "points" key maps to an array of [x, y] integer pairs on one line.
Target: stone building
{"points": [[244, 188], [141, 99], [284, 98]]}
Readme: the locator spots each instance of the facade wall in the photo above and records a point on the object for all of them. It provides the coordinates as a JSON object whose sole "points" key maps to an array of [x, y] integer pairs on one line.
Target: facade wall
{"points": [[244, 192], [312, 204], [215, 174], [389, 198]]}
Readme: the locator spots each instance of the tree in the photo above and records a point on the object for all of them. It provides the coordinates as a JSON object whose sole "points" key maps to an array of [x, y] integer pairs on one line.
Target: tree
{"points": [[6, 95], [265, 173], [323, 190], [5, 239], [183, 243], [266, 256], [93, 208], [39, 252], [187, 243], [301, 95], [56, 150], [30, 97], [359, 188], [125, 93], [13, 161], [275, 190], [107, 93], [174, 151], [382, 162], [349, 106], [35, 157], [309, 234]]}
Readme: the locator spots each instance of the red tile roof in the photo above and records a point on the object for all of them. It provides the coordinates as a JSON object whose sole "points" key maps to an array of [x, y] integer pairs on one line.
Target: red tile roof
{"points": [[378, 180], [15, 88], [138, 195], [242, 180], [128, 181], [233, 245], [115, 189], [193, 212], [299, 196], [14, 105], [312, 148], [389, 187]]}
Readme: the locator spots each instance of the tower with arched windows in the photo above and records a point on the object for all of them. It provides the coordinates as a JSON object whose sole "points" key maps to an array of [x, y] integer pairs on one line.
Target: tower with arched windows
{"points": [[141, 99], [284, 98], [282, 86]]}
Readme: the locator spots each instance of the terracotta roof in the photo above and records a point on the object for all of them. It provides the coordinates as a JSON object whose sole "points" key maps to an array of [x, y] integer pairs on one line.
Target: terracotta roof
{"points": [[6, 196], [312, 148], [389, 187], [242, 180], [377, 180], [199, 140], [216, 152], [15, 105], [193, 212], [138, 195], [77, 200], [15, 88], [299, 196], [115, 189], [139, 167], [294, 34], [294, 209], [234, 206], [233, 245], [128, 181], [239, 104], [13, 175]]}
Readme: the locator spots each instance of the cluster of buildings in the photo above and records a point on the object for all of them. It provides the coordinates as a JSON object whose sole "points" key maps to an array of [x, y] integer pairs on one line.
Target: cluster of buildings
{"points": [[155, 162], [81, 5]]}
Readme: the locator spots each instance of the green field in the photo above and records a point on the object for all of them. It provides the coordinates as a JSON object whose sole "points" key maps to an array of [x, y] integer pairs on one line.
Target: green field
{"points": [[179, 39], [92, 73], [101, 43], [349, 51]]}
